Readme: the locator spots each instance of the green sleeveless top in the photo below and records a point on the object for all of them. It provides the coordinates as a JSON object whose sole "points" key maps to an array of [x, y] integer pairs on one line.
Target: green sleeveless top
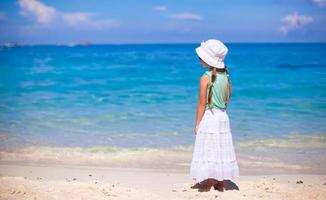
{"points": [[219, 89]]}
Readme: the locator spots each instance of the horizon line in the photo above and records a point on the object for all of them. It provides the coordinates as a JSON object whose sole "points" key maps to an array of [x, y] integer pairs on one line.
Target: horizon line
{"points": [[154, 43]]}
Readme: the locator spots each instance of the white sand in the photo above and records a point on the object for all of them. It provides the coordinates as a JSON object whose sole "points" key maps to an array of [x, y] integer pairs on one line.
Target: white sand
{"points": [[49, 181]]}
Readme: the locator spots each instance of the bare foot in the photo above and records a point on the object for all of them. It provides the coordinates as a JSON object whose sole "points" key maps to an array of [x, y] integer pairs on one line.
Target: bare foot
{"points": [[210, 184], [196, 186], [220, 186]]}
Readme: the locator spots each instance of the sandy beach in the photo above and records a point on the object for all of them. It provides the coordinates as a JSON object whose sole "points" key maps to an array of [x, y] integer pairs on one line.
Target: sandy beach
{"points": [[75, 173], [87, 182]]}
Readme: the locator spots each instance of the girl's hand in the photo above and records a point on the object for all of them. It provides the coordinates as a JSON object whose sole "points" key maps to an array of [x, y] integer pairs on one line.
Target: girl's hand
{"points": [[196, 129]]}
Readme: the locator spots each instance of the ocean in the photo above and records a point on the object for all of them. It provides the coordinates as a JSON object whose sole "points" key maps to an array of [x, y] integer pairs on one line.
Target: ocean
{"points": [[145, 96]]}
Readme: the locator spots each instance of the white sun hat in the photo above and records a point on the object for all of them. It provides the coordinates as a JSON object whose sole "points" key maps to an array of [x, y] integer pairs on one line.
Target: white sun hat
{"points": [[212, 52]]}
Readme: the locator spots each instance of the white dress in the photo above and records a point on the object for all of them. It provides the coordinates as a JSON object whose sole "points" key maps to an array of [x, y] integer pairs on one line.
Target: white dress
{"points": [[213, 154]]}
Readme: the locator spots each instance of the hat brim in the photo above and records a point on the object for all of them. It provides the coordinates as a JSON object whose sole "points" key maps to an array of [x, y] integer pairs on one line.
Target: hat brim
{"points": [[207, 59]]}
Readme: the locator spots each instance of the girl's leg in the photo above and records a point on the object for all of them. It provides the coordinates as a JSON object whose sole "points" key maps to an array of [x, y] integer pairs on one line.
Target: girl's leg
{"points": [[224, 184], [206, 187], [220, 186], [210, 183]]}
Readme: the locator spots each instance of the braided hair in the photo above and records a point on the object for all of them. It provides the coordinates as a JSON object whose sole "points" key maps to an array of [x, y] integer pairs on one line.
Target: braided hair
{"points": [[210, 86]]}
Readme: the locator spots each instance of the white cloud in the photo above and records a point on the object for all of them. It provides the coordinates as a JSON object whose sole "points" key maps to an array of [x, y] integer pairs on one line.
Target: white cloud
{"points": [[186, 16], [44, 14], [160, 8], [87, 18], [294, 21], [320, 3]]}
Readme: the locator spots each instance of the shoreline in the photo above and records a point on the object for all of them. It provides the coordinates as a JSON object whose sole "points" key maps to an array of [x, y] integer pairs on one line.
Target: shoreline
{"points": [[291, 169], [260, 157]]}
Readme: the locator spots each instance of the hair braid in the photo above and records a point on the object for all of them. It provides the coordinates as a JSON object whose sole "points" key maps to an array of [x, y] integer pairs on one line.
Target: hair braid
{"points": [[210, 92], [226, 70]]}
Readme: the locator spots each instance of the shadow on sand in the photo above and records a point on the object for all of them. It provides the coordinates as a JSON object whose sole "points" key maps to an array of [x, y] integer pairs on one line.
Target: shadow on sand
{"points": [[202, 186]]}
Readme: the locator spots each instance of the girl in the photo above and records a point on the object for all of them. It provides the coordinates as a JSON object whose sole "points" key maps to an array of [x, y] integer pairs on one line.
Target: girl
{"points": [[213, 156]]}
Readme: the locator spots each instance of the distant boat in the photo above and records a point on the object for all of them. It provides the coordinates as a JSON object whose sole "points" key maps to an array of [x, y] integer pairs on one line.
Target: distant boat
{"points": [[11, 45], [74, 44]]}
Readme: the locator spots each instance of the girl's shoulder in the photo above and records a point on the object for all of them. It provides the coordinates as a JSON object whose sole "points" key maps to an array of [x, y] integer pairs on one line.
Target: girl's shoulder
{"points": [[208, 73]]}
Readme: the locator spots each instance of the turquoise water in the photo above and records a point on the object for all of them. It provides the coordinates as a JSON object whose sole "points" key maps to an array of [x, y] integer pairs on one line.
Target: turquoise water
{"points": [[145, 95]]}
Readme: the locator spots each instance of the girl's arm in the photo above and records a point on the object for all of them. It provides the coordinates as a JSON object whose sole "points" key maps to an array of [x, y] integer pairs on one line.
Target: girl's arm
{"points": [[229, 91], [201, 100]]}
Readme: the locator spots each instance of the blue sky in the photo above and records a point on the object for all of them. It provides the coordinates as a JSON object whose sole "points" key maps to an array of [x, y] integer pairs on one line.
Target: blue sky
{"points": [[172, 21]]}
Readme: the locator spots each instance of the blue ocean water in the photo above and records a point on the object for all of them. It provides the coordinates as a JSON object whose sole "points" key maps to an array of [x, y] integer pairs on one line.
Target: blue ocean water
{"points": [[146, 95]]}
